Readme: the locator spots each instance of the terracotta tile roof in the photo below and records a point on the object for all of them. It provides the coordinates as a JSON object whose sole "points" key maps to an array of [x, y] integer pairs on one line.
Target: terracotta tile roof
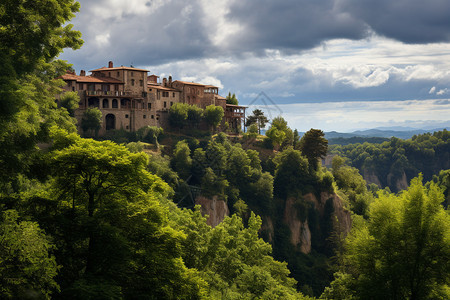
{"points": [[119, 68], [211, 86], [238, 106], [160, 87], [189, 83], [92, 79]]}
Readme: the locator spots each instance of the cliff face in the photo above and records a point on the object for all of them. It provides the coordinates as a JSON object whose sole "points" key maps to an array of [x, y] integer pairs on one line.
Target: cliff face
{"points": [[216, 209], [301, 235]]}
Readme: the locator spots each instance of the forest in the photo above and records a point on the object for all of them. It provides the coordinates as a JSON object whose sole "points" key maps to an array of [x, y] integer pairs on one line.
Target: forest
{"points": [[116, 217]]}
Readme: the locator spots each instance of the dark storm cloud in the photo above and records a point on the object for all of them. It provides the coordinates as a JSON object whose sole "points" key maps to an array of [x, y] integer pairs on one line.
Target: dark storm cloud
{"points": [[409, 21], [146, 33], [291, 24], [302, 24]]}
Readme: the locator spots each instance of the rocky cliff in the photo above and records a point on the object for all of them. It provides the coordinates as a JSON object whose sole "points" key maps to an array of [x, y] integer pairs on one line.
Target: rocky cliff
{"points": [[215, 209], [299, 222]]}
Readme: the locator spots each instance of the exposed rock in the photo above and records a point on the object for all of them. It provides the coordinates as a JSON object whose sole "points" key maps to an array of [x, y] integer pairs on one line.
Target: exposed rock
{"points": [[267, 228], [370, 177], [215, 209], [300, 231], [400, 184]]}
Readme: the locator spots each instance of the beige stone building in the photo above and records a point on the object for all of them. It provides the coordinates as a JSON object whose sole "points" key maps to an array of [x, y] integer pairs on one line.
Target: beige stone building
{"points": [[119, 92], [129, 99]]}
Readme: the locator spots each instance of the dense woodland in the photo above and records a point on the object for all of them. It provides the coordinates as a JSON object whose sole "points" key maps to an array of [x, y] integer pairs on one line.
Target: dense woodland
{"points": [[115, 218]]}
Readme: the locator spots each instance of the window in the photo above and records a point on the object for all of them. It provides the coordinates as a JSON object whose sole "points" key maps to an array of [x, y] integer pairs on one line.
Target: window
{"points": [[132, 74], [173, 94], [118, 74], [126, 116], [145, 116], [109, 74], [149, 106], [165, 94], [165, 104], [105, 103], [132, 82], [127, 127], [152, 116], [171, 103], [114, 103], [141, 82], [69, 83]]}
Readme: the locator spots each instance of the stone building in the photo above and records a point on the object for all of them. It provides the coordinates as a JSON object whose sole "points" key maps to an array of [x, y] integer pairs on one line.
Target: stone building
{"points": [[119, 92], [129, 99]]}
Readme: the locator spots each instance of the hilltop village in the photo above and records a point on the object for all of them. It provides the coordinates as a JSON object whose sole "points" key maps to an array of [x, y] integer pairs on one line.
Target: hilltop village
{"points": [[130, 99]]}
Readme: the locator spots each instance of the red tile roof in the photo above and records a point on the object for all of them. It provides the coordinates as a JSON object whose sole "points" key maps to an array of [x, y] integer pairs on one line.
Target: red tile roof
{"points": [[189, 83], [119, 68], [160, 87], [92, 79]]}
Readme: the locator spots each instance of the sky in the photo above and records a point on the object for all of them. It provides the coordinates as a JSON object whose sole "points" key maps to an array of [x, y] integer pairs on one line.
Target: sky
{"points": [[339, 65]]}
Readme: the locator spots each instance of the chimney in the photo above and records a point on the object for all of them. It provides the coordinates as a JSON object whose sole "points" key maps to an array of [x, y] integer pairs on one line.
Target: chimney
{"points": [[170, 81], [82, 73], [164, 81], [110, 64]]}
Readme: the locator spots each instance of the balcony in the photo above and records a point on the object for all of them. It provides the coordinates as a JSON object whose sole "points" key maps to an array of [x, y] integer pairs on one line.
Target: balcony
{"points": [[115, 94]]}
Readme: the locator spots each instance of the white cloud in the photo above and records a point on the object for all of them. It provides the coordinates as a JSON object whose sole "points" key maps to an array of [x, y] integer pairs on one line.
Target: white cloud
{"points": [[432, 90], [442, 92]]}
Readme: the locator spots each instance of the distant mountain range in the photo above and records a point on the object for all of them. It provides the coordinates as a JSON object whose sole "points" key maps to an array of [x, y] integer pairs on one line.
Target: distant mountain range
{"points": [[381, 132]]}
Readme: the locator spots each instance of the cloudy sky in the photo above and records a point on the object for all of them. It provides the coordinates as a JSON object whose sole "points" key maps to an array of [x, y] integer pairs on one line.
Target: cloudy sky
{"points": [[330, 64]]}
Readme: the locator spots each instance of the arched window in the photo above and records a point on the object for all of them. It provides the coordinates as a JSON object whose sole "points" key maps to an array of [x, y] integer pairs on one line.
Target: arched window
{"points": [[105, 103], [114, 103], [110, 121]]}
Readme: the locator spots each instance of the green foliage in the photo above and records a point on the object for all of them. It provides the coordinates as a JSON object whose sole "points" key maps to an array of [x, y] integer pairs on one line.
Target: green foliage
{"points": [[395, 159], [231, 99], [404, 249], [352, 184], [292, 173], [276, 136], [25, 42], [181, 160], [149, 134], [70, 100], [213, 115], [314, 146], [135, 147], [178, 114], [234, 261], [26, 265], [91, 121], [280, 134], [257, 118], [195, 115], [214, 185]]}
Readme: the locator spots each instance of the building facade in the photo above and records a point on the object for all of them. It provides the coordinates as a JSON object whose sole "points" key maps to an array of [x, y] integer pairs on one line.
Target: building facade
{"points": [[129, 99]]}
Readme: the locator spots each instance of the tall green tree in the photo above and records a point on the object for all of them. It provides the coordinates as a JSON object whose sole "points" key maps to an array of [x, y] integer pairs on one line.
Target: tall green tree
{"points": [[26, 265], [231, 99], [117, 240], [181, 160], [403, 251], [257, 118], [70, 100], [213, 115], [178, 115], [91, 122], [314, 146]]}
